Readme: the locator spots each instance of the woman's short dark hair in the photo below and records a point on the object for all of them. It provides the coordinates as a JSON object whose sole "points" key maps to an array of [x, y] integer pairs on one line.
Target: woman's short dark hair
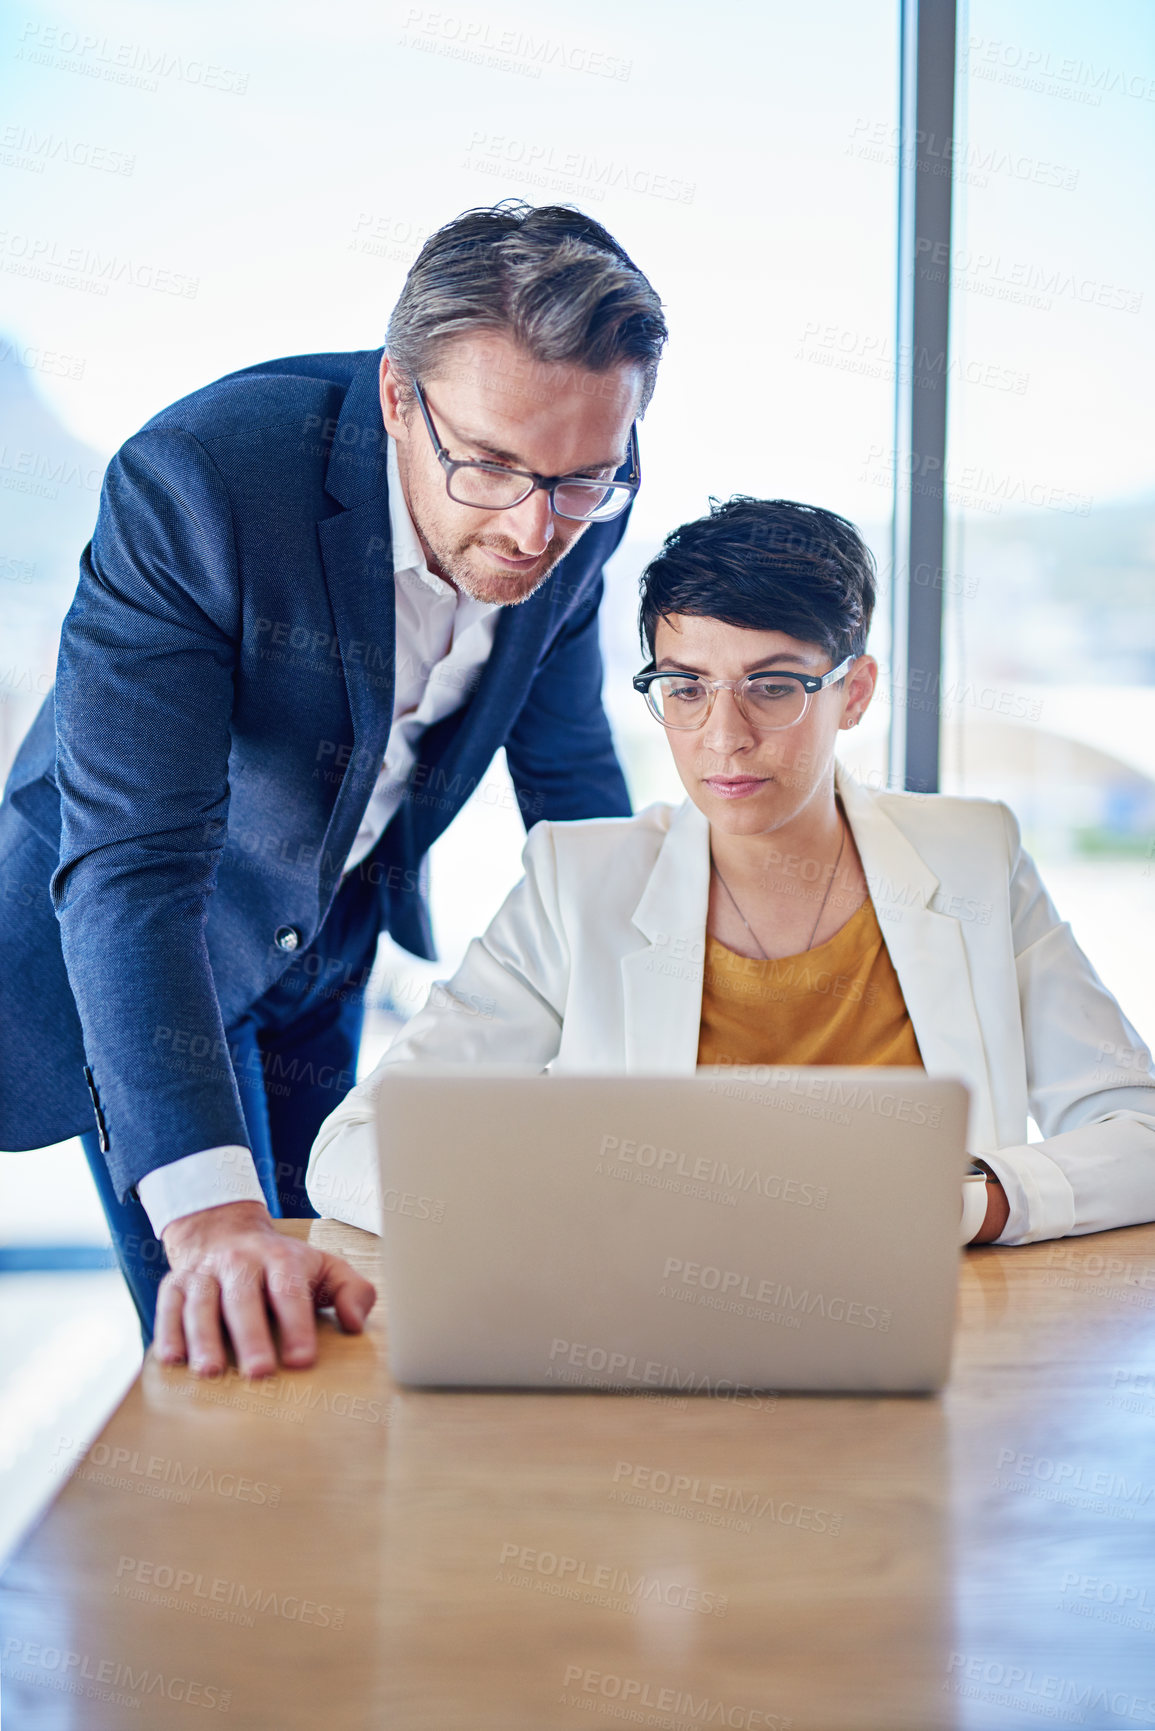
{"points": [[552, 278], [766, 565]]}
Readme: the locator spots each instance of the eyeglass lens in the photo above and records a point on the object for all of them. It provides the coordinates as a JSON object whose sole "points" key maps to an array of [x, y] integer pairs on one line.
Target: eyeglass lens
{"points": [[497, 489], [766, 703]]}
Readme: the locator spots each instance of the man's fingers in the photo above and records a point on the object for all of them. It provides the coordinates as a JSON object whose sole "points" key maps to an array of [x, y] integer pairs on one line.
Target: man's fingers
{"points": [[291, 1297], [350, 1294], [247, 1318], [168, 1334], [230, 1276], [202, 1323]]}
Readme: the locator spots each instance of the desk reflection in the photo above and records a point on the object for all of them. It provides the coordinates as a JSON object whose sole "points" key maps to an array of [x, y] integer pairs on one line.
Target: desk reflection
{"points": [[581, 1559], [328, 1549]]}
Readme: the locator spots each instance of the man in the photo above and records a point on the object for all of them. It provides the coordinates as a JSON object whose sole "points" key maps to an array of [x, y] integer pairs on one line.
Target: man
{"points": [[320, 595]]}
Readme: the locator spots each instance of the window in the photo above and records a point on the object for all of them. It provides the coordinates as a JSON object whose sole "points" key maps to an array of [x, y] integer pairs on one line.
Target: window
{"points": [[1049, 635]]}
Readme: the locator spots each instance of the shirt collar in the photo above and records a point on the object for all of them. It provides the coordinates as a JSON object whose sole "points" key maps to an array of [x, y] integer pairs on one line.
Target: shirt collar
{"points": [[407, 553]]}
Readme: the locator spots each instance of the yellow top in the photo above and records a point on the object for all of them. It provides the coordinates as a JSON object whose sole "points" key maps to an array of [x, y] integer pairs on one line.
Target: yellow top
{"points": [[838, 1004]]}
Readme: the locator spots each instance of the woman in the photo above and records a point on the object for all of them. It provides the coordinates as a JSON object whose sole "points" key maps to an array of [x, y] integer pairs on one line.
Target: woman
{"points": [[784, 914]]}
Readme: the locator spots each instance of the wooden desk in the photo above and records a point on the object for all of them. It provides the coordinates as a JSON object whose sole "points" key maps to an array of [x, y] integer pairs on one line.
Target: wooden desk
{"points": [[326, 1550]]}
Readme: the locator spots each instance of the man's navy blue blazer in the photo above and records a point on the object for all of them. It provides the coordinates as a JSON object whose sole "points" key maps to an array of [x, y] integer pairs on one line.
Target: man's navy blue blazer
{"points": [[222, 705]]}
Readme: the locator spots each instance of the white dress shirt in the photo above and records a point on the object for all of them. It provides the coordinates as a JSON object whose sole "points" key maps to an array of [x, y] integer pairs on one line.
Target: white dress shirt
{"points": [[443, 639], [595, 961]]}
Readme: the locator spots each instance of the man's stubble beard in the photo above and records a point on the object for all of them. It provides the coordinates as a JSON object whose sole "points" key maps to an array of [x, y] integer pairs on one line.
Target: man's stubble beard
{"points": [[490, 586], [453, 560]]}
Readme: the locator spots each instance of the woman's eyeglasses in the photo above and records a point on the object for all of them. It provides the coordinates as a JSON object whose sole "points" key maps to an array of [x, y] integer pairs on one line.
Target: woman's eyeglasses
{"points": [[768, 701]]}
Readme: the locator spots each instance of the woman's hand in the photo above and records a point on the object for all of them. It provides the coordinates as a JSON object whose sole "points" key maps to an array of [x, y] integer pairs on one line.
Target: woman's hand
{"points": [[998, 1208]]}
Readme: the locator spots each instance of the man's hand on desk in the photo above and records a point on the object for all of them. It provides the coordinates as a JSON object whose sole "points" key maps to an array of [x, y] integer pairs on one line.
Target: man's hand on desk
{"points": [[230, 1264], [998, 1209]]}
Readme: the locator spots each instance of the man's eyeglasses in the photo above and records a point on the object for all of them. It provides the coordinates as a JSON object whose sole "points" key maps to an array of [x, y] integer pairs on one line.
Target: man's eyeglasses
{"points": [[493, 487], [769, 701]]}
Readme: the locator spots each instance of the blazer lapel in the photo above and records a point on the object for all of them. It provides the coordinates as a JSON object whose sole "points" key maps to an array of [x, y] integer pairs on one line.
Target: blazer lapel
{"points": [[458, 749], [928, 952], [662, 981], [357, 556], [356, 549]]}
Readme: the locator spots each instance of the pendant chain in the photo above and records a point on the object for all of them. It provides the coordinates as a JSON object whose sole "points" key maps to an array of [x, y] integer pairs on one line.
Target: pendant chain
{"points": [[821, 911]]}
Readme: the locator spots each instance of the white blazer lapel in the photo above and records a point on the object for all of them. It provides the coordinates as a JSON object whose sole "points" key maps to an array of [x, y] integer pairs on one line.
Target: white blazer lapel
{"points": [[928, 952], [662, 982]]}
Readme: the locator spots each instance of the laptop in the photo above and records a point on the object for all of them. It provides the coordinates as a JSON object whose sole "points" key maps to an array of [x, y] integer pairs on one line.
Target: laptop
{"points": [[727, 1231]]}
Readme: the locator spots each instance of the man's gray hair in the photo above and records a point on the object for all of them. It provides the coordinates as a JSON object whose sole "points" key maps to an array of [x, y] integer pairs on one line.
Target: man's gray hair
{"points": [[551, 278]]}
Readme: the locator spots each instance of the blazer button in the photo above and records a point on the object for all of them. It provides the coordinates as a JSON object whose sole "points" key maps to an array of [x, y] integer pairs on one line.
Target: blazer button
{"points": [[287, 938]]}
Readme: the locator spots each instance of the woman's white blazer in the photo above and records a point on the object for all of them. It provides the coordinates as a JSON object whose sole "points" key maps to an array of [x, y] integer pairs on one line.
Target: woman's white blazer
{"points": [[594, 963]]}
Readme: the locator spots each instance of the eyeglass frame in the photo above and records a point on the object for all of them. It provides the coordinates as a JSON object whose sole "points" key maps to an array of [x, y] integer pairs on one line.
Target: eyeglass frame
{"points": [[538, 483], [811, 684]]}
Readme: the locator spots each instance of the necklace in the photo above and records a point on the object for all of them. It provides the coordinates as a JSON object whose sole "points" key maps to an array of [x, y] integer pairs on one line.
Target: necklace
{"points": [[821, 911]]}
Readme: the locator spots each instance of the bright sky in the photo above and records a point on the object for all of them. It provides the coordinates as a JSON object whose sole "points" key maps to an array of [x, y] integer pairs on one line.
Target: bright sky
{"points": [[1055, 253], [288, 159], [717, 154]]}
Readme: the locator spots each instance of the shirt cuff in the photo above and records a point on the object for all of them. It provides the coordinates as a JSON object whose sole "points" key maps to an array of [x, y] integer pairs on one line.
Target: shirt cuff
{"points": [[343, 1181], [1041, 1199], [204, 1180]]}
